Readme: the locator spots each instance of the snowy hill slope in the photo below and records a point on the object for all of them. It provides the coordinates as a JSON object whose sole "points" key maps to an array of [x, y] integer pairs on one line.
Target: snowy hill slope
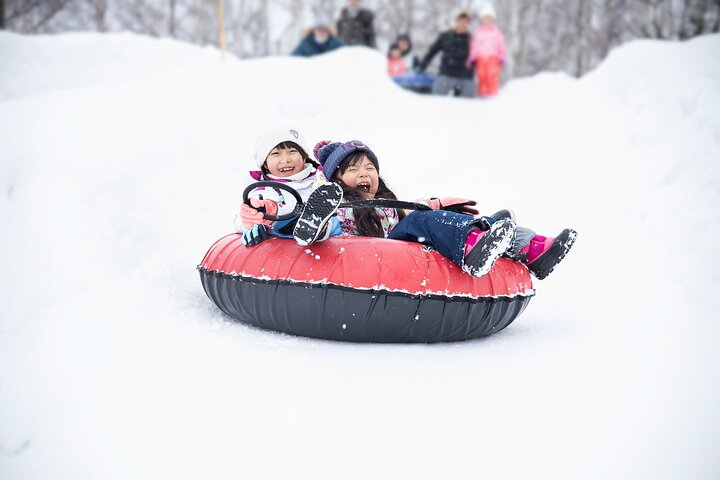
{"points": [[75, 61], [123, 160]]}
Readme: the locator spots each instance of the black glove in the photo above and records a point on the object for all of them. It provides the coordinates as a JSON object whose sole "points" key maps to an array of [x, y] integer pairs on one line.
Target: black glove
{"points": [[459, 207], [257, 234]]}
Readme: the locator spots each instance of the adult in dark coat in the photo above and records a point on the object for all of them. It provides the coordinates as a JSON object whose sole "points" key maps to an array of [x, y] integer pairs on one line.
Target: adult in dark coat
{"points": [[455, 47], [319, 40], [355, 26]]}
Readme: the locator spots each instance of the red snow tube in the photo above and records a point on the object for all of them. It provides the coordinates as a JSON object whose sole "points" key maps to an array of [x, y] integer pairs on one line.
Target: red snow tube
{"points": [[361, 289]]}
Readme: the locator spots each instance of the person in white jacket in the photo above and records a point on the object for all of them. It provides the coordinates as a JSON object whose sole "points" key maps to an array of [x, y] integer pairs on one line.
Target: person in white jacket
{"points": [[281, 155]]}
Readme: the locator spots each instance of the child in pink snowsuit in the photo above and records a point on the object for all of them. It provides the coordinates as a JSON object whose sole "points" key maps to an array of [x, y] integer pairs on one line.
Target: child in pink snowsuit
{"points": [[487, 51]]}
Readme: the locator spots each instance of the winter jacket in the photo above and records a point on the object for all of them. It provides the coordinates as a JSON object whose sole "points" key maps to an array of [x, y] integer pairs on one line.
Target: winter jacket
{"points": [[455, 47], [396, 67], [388, 219], [487, 42], [411, 61], [304, 183], [309, 47], [357, 29]]}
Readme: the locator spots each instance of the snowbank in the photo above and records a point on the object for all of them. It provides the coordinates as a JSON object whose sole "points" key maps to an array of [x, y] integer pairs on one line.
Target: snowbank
{"points": [[124, 157]]}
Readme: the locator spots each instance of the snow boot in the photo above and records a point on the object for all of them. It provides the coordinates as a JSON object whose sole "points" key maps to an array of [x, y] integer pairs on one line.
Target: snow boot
{"points": [[505, 213], [483, 248], [486, 221], [544, 253], [319, 208]]}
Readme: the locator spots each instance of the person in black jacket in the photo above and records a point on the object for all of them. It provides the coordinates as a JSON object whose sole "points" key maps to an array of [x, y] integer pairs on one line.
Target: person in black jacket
{"points": [[355, 26], [455, 47]]}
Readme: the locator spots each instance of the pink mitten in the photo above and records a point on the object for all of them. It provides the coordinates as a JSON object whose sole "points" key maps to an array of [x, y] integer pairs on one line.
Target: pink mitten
{"points": [[454, 204], [251, 216]]}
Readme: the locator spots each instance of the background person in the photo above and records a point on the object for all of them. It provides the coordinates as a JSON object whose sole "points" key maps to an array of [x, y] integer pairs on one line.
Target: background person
{"points": [[404, 43], [319, 40], [487, 52], [355, 26], [396, 65], [455, 74]]}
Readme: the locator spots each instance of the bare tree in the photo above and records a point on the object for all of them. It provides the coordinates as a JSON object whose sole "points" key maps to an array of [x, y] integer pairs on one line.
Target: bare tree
{"points": [[569, 35], [99, 14], [32, 16], [172, 5]]}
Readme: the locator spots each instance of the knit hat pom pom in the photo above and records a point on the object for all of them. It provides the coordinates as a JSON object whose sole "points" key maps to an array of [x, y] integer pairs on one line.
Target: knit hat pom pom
{"points": [[320, 145], [323, 150]]}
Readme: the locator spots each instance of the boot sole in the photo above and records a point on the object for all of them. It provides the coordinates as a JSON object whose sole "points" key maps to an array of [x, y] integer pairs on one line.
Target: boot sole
{"points": [[505, 213], [543, 266], [320, 206], [497, 241]]}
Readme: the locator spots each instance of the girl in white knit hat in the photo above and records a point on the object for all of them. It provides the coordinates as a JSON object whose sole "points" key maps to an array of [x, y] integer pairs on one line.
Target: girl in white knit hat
{"points": [[281, 155]]}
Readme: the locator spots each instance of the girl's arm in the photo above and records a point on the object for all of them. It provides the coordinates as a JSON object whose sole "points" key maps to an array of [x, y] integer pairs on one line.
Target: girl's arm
{"points": [[250, 216], [454, 204]]}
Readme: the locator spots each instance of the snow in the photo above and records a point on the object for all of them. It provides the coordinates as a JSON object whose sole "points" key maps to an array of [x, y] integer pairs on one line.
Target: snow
{"points": [[123, 159]]}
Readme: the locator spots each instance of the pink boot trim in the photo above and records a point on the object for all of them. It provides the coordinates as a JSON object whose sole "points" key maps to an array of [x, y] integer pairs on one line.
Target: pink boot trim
{"points": [[537, 247], [472, 239]]}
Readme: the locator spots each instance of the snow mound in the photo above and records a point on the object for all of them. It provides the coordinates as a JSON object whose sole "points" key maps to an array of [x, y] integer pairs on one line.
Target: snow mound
{"points": [[124, 158], [35, 64]]}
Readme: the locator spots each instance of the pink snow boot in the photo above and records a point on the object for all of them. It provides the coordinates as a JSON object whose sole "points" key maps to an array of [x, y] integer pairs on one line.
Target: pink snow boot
{"points": [[544, 253], [483, 248]]}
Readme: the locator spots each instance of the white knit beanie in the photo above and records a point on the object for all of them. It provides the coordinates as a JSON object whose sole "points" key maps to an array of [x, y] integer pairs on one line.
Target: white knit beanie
{"points": [[269, 139], [321, 21], [488, 11]]}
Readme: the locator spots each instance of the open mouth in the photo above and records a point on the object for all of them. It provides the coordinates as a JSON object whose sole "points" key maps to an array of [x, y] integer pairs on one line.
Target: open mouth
{"points": [[363, 185], [286, 169]]}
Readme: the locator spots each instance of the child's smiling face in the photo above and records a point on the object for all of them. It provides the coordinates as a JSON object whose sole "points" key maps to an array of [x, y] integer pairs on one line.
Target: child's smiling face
{"points": [[362, 175], [284, 162]]}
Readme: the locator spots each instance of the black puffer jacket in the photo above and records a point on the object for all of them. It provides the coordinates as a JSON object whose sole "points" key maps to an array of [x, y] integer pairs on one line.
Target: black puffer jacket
{"points": [[455, 48], [357, 29]]}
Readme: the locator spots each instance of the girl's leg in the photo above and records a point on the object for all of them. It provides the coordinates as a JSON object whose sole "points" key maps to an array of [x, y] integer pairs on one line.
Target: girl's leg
{"points": [[542, 254], [480, 74], [445, 231], [457, 237], [523, 236], [483, 248], [493, 76], [319, 208], [284, 228], [488, 75]]}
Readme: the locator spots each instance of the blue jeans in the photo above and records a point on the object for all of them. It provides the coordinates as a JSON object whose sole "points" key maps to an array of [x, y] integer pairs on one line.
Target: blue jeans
{"points": [[445, 231]]}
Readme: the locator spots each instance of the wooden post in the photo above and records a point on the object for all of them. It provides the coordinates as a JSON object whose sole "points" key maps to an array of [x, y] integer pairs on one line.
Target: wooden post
{"points": [[219, 14]]}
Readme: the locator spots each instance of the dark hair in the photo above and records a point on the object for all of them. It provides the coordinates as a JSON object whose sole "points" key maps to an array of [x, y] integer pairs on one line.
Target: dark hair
{"points": [[394, 46], [288, 146], [406, 37], [463, 16], [367, 219]]}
